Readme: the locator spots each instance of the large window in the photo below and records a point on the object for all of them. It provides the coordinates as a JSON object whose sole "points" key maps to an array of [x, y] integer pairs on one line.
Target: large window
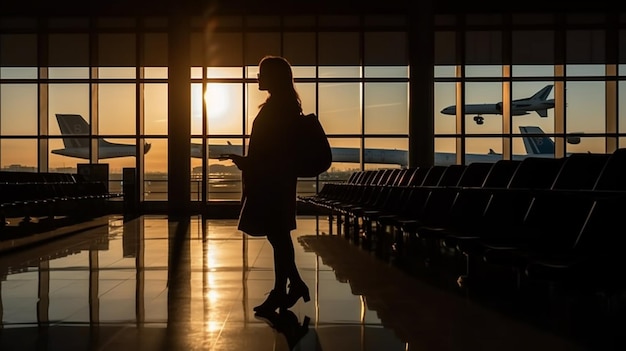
{"points": [[96, 91], [524, 89]]}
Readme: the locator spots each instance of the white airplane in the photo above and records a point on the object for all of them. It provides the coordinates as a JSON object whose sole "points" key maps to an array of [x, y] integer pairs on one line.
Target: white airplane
{"points": [[340, 154], [537, 146], [539, 103], [73, 124]]}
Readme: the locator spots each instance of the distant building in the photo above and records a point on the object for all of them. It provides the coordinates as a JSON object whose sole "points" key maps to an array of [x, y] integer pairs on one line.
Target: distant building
{"points": [[19, 168]]}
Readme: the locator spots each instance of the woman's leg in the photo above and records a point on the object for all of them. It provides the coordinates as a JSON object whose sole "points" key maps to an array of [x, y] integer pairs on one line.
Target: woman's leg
{"points": [[284, 261], [278, 295], [286, 270]]}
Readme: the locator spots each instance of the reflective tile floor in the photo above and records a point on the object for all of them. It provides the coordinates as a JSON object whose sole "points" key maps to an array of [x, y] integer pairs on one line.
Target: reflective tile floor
{"points": [[156, 284]]}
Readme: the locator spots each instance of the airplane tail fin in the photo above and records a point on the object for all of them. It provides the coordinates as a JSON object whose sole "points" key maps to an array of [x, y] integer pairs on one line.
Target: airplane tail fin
{"points": [[72, 124], [537, 145], [542, 94]]}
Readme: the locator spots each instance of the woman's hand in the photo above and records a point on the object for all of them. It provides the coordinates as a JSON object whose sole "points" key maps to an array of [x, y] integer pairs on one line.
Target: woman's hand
{"points": [[238, 160]]}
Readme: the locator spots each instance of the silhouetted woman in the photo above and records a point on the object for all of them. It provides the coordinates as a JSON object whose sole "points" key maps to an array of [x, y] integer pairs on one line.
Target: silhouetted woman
{"points": [[269, 180]]}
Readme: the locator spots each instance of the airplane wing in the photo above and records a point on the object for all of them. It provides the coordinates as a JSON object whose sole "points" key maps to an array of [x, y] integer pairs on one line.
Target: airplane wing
{"points": [[542, 113]]}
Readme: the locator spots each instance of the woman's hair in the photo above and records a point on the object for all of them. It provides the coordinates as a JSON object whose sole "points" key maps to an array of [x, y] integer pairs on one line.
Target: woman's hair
{"points": [[278, 78]]}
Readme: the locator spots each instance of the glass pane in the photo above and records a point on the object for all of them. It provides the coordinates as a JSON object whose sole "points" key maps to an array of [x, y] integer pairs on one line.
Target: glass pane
{"points": [[68, 99], [155, 109], [386, 108], [18, 155], [587, 145], [224, 72], [340, 72], [116, 109], [308, 96], [18, 111], [18, 73], [621, 107], [445, 71], [118, 160], [483, 150], [196, 108], [224, 177], [532, 71], [585, 70], [340, 107], [117, 72], [387, 72], [483, 71], [445, 95], [585, 111], [68, 73], [219, 146], [196, 72], [539, 111], [386, 152], [255, 98], [155, 172], [303, 71], [445, 153], [224, 109], [537, 142], [482, 105], [64, 161], [155, 72], [345, 153]]}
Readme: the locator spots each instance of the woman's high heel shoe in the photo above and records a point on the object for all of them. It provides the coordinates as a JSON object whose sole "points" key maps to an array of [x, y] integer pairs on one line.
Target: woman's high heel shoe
{"points": [[296, 291], [274, 301]]}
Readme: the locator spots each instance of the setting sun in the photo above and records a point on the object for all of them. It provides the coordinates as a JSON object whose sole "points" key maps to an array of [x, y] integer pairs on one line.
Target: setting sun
{"points": [[217, 101]]}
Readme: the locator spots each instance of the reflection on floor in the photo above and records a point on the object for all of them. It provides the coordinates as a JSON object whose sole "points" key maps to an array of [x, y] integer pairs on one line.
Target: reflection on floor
{"points": [[156, 284]]}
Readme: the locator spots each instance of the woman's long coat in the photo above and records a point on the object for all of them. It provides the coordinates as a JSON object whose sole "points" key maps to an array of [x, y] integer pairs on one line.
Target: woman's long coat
{"points": [[268, 174]]}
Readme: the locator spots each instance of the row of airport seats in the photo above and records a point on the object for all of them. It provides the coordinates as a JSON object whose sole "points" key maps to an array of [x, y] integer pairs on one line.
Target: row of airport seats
{"points": [[33, 202], [532, 223]]}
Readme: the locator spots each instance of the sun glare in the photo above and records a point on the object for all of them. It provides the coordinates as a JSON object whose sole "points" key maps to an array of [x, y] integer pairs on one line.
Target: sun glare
{"points": [[217, 101]]}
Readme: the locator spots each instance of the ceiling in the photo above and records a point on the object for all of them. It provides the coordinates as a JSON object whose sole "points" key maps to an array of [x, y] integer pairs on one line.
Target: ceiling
{"points": [[165, 7]]}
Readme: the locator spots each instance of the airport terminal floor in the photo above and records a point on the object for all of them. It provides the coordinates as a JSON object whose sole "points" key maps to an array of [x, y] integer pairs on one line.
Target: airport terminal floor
{"points": [[153, 283]]}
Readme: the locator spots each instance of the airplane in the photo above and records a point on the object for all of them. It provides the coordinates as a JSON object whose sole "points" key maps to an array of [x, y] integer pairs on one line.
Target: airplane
{"points": [[73, 124], [340, 154], [539, 103], [536, 146]]}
